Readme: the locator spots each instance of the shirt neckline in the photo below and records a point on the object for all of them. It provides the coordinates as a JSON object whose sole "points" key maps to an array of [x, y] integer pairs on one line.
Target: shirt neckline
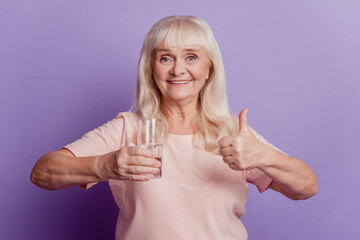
{"points": [[180, 138]]}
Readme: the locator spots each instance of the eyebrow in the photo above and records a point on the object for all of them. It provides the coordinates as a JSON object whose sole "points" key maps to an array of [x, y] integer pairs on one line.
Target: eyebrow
{"points": [[185, 49]]}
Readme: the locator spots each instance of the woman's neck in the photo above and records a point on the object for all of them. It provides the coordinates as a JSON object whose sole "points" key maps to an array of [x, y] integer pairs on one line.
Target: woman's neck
{"points": [[180, 117]]}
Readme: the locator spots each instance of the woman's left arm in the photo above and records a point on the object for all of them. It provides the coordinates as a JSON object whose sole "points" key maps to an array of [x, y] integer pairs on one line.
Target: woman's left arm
{"points": [[290, 176]]}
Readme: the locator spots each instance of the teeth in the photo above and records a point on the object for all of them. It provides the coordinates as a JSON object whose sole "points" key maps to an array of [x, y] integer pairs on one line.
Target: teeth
{"points": [[179, 82]]}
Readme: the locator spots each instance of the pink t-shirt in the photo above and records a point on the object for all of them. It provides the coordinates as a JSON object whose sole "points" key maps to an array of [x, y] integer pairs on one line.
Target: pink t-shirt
{"points": [[197, 197]]}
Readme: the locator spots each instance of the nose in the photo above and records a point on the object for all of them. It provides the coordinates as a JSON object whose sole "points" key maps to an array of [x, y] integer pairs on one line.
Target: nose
{"points": [[178, 68]]}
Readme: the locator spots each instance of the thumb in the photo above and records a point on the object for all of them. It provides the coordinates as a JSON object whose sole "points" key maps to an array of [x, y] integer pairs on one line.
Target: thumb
{"points": [[243, 123]]}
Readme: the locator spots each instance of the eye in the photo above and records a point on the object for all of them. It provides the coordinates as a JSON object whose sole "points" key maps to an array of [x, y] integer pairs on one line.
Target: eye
{"points": [[165, 59], [191, 58]]}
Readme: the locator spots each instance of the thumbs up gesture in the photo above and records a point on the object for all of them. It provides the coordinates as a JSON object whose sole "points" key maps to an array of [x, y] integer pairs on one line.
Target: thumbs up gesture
{"points": [[244, 150]]}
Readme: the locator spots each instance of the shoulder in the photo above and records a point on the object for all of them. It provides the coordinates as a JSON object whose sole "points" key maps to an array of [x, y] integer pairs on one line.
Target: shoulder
{"points": [[122, 121], [127, 117], [129, 125]]}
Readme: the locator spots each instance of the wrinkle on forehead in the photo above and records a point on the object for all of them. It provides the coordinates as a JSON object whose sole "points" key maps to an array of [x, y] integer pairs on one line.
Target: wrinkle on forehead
{"points": [[197, 49]]}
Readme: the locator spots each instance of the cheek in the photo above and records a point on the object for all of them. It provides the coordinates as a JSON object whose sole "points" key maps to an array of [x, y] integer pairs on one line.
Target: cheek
{"points": [[158, 77], [161, 85], [158, 84], [159, 72], [155, 74], [203, 72]]}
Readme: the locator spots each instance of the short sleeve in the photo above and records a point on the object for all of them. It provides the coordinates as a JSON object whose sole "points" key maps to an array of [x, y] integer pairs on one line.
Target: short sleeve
{"points": [[101, 140], [256, 176]]}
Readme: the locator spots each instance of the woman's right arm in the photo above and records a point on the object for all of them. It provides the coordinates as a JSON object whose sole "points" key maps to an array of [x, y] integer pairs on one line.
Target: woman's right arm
{"points": [[61, 169]]}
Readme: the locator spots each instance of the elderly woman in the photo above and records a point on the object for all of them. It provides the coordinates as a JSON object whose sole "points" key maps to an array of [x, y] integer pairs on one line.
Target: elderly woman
{"points": [[208, 158]]}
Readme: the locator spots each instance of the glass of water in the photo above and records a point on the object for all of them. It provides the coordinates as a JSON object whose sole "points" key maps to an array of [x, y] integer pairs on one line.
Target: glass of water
{"points": [[150, 136]]}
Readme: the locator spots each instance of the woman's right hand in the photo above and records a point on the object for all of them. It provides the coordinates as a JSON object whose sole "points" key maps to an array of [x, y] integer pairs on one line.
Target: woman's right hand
{"points": [[61, 169], [130, 163]]}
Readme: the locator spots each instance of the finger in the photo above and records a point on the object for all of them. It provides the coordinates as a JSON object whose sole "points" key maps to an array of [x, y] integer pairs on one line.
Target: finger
{"points": [[143, 161], [141, 151], [226, 151], [243, 123], [145, 177], [229, 159], [233, 166], [226, 141], [139, 170]]}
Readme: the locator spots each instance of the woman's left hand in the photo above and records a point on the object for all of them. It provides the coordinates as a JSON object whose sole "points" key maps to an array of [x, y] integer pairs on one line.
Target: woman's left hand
{"points": [[290, 176], [244, 150]]}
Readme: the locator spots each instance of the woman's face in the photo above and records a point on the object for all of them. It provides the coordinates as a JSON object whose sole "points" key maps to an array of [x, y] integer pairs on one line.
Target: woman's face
{"points": [[180, 73]]}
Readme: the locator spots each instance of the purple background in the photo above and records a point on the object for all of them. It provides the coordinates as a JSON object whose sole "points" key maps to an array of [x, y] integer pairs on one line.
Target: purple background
{"points": [[69, 66]]}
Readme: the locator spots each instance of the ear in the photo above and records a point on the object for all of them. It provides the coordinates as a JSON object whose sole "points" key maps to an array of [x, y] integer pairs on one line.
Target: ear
{"points": [[210, 71]]}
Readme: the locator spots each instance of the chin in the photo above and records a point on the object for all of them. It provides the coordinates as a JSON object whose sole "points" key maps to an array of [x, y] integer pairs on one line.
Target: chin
{"points": [[180, 98]]}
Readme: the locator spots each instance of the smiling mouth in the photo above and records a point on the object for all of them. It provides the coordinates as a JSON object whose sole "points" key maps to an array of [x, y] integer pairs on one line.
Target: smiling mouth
{"points": [[179, 82]]}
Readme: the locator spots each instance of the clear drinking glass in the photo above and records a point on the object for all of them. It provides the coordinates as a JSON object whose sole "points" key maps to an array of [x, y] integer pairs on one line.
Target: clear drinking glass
{"points": [[150, 136]]}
